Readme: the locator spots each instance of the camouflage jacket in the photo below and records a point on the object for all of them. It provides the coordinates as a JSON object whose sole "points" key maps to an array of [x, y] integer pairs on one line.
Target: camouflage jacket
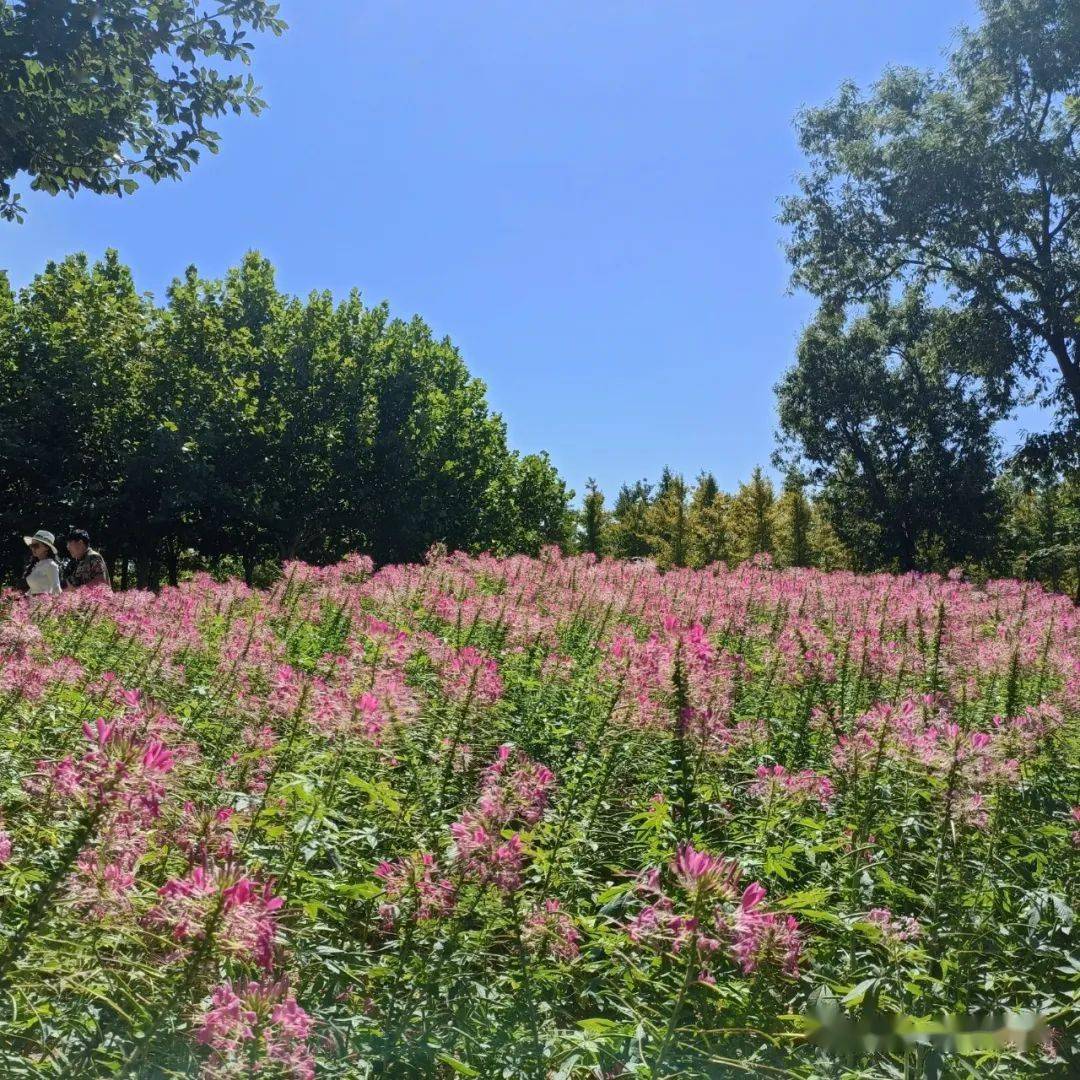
{"points": [[89, 570]]}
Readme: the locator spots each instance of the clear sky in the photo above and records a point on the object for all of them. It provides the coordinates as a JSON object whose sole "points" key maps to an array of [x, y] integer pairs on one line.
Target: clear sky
{"points": [[581, 193]]}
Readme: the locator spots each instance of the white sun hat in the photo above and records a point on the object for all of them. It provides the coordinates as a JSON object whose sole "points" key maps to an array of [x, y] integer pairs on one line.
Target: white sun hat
{"points": [[42, 536]]}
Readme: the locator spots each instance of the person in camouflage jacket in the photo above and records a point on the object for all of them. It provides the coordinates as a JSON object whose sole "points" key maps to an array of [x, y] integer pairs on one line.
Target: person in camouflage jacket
{"points": [[86, 566]]}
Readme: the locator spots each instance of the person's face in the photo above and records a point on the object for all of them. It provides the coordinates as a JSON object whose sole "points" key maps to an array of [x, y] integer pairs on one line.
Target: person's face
{"points": [[39, 550], [76, 548]]}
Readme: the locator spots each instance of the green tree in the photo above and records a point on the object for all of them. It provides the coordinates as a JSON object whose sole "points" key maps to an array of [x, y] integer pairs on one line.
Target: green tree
{"points": [[668, 522], [630, 535], [709, 512], [73, 410], [794, 517], [241, 422], [751, 517], [892, 416], [95, 93], [594, 521], [1040, 535], [966, 179], [541, 503]]}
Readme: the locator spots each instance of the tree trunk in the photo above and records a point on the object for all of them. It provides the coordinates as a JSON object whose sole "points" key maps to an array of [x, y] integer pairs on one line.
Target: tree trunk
{"points": [[142, 571], [249, 570], [172, 564], [1069, 368], [881, 499], [124, 568]]}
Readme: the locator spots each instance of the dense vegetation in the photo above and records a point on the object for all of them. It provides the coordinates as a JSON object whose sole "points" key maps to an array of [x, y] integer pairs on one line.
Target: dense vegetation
{"points": [[1030, 525], [544, 818], [238, 421]]}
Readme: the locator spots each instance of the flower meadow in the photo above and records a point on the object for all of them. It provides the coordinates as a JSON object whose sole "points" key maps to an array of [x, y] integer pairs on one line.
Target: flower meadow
{"points": [[541, 818]]}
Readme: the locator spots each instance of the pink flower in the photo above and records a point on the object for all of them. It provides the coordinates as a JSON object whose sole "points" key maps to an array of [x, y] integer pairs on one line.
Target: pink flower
{"points": [[515, 788], [763, 937], [775, 782], [549, 929], [752, 896], [119, 771], [471, 676], [252, 1025], [239, 912], [485, 856], [703, 874], [5, 846], [896, 930], [414, 880]]}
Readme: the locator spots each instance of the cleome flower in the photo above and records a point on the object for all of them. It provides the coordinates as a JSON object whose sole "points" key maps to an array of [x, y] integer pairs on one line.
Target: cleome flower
{"points": [[412, 884], [239, 913], [254, 1028], [548, 929], [704, 920], [515, 790], [775, 783]]}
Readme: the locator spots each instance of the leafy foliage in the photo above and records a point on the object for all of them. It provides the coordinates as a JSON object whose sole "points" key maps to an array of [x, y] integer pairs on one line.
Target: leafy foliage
{"points": [[240, 421], [893, 416], [965, 180], [95, 93]]}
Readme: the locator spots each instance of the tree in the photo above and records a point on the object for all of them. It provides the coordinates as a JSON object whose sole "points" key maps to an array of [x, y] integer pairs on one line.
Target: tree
{"points": [[630, 533], [541, 502], [94, 93], [1040, 535], [709, 511], [668, 522], [794, 515], [966, 179], [892, 414], [594, 521], [752, 517], [238, 421], [73, 407]]}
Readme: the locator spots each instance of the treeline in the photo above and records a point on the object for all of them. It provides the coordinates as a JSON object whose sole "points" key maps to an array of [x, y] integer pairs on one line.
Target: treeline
{"points": [[1034, 529], [236, 424]]}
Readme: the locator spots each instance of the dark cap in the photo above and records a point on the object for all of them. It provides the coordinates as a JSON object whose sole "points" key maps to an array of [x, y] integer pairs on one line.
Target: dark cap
{"points": [[78, 534]]}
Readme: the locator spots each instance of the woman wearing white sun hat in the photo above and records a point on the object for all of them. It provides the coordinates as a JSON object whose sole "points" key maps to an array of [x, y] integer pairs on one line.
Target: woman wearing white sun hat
{"points": [[42, 574]]}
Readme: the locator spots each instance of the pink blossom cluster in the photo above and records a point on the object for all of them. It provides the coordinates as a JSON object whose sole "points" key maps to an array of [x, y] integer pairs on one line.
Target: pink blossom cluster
{"points": [[645, 671], [970, 765], [774, 783], [116, 770], [894, 929], [550, 930], [706, 920], [515, 789], [256, 1028], [414, 883], [238, 912], [471, 676]]}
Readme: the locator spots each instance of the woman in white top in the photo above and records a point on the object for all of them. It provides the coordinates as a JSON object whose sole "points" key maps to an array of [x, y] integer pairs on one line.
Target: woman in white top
{"points": [[43, 572]]}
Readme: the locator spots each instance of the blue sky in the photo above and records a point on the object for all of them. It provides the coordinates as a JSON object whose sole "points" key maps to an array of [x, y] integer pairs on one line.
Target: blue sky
{"points": [[581, 193]]}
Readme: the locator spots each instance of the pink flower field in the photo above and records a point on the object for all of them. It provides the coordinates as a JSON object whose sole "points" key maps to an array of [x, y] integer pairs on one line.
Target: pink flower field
{"points": [[546, 818]]}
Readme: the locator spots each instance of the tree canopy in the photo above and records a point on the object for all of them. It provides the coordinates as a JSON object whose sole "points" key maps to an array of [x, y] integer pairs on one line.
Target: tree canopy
{"points": [[237, 420], [892, 414], [968, 180], [97, 93]]}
